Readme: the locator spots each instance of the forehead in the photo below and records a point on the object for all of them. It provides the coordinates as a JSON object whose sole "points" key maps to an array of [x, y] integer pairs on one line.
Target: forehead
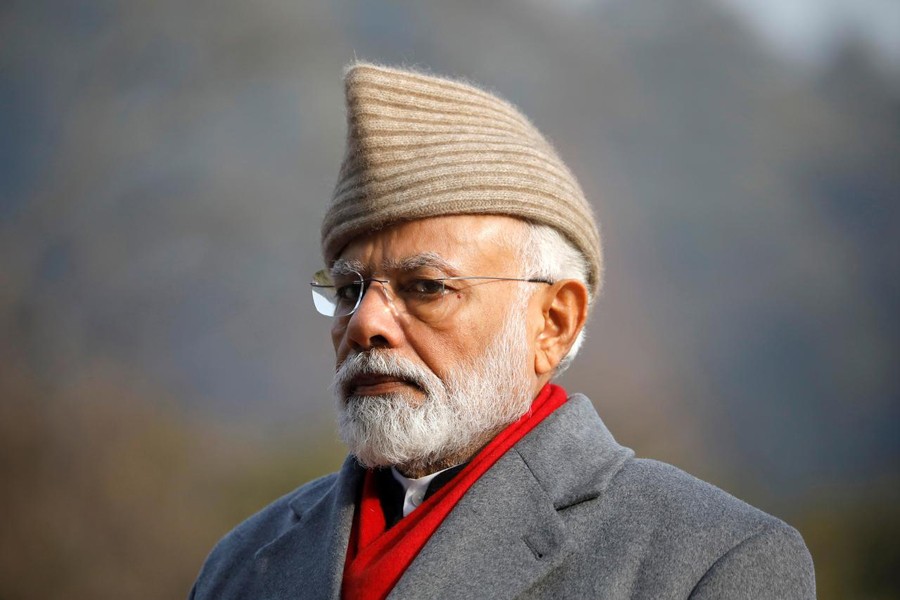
{"points": [[463, 242]]}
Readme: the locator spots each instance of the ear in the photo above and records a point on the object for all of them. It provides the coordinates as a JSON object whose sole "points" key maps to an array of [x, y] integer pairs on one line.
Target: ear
{"points": [[564, 312]]}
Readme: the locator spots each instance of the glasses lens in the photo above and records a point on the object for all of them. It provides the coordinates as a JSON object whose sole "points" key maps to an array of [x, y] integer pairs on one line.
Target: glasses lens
{"points": [[323, 298], [337, 299], [423, 298]]}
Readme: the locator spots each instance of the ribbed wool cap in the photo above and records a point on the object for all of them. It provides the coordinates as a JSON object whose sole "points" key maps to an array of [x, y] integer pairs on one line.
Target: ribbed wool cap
{"points": [[421, 146]]}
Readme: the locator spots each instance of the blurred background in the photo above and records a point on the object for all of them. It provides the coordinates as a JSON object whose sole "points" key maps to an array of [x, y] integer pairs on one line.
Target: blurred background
{"points": [[165, 165]]}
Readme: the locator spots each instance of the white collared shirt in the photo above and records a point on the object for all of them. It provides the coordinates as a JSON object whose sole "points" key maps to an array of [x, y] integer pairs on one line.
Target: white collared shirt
{"points": [[414, 489]]}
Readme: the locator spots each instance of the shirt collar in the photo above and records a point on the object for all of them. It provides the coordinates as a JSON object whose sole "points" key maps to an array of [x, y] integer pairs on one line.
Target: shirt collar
{"points": [[414, 490]]}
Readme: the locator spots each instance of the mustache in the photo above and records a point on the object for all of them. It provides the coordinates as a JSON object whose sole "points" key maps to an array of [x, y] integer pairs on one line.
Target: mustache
{"points": [[383, 363]]}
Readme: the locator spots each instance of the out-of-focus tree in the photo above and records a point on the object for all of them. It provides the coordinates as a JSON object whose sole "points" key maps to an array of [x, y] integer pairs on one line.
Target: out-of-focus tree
{"points": [[109, 491]]}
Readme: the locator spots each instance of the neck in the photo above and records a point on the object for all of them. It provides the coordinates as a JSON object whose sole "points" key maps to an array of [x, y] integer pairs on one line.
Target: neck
{"points": [[417, 469]]}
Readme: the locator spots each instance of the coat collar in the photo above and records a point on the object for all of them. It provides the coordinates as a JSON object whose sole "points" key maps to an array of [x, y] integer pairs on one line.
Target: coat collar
{"points": [[307, 560], [506, 531], [572, 454]]}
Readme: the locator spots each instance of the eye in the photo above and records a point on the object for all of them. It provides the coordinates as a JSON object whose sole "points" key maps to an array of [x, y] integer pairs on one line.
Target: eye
{"points": [[348, 293], [425, 287]]}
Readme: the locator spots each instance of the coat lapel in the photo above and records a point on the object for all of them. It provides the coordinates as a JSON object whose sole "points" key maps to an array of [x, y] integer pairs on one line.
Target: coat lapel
{"points": [[308, 559], [506, 533], [489, 546]]}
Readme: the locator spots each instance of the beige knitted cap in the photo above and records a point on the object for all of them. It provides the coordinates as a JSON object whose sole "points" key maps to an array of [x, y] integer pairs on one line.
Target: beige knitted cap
{"points": [[420, 146]]}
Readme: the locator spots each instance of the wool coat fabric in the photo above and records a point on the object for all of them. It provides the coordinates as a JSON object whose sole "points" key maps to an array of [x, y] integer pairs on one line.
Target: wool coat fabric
{"points": [[567, 513]]}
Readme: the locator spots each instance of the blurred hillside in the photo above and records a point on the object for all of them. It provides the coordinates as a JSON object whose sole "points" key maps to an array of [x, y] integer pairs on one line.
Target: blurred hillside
{"points": [[164, 168]]}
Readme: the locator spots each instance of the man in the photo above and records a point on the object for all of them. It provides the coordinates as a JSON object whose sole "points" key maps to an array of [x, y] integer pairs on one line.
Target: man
{"points": [[462, 260]]}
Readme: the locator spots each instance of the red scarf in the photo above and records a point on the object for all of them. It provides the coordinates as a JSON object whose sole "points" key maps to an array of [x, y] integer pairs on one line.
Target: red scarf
{"points": [[376, 559]]}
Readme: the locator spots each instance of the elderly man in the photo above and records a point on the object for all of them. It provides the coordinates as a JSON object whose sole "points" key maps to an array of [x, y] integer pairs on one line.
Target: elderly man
{"points": [[462, 261]]}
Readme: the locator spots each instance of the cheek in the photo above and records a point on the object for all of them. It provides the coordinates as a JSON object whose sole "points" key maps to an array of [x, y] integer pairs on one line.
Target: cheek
{"points": [[461, 344], [436, 348], [337, 336]]}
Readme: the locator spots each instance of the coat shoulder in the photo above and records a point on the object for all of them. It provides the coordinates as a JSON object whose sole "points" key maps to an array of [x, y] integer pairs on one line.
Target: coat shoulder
{"points": [[681, 510], [233, 554], [673, 534], [675, 498]]}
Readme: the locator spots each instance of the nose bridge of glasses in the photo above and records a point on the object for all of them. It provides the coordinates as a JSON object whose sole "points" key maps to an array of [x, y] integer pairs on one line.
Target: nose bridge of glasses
{"points": [[385, 285]]}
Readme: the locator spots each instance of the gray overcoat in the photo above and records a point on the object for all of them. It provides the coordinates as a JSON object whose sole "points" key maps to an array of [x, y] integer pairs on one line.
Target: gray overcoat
{"points": [[567, 513]]}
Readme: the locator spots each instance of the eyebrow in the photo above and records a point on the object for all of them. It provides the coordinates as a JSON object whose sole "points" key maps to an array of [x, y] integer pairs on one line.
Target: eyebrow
{"points": [[422, 259], [344, 266]]}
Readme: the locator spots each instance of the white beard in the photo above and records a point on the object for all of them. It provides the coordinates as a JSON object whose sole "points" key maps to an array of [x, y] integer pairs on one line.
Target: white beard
{"points": [[477, 399]]}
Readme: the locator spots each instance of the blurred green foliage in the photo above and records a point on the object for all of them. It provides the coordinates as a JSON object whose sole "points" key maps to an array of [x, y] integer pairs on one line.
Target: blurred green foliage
{"points": [[109, 492]]}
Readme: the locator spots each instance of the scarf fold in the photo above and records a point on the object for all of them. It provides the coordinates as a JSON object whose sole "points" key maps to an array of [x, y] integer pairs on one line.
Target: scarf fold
{"points": [[377, 557]]}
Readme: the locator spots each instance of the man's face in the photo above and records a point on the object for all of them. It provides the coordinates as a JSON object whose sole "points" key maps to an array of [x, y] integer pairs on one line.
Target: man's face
{"points": [[402, 372]]}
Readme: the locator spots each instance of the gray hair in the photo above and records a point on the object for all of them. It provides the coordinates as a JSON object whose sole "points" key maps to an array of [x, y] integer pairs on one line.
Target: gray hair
{"points": [[547, 253]]}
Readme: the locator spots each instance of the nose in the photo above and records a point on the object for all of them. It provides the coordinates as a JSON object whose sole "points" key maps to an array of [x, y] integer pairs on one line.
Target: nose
{"points": [[375, 322]]}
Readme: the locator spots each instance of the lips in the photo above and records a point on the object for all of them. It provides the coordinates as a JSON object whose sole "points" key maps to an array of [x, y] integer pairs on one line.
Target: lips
{"points": [[373, 384], [378, 373]]}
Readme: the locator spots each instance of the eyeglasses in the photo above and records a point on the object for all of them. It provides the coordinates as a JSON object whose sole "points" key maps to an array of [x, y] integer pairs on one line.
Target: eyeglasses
{"points": [[429, 299]]}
